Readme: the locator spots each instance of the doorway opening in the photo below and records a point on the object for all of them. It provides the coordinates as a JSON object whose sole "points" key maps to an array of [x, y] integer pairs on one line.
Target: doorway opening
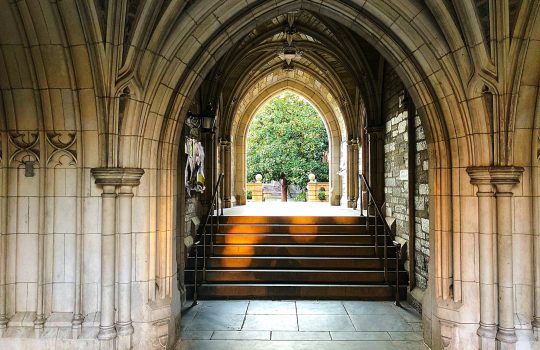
{"points": [[287, 152]]}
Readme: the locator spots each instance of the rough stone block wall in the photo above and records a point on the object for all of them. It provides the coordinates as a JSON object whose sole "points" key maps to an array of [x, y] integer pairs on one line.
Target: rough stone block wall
{"points": [[421, 203], [396, 151], [396, 179]]}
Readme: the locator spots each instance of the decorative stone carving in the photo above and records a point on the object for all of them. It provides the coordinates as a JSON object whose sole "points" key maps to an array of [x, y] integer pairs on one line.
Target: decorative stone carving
{"points": [[24, 146], [61, 143]]}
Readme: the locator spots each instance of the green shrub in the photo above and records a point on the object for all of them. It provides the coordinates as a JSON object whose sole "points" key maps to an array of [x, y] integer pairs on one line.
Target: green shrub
{"points": [[249, 195], [300, 197], [322, 195]]}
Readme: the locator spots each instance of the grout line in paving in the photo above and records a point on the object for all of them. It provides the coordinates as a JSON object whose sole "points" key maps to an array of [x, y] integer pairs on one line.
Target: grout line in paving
{"points": [[245, 316], [349, 316], [297, 321]]}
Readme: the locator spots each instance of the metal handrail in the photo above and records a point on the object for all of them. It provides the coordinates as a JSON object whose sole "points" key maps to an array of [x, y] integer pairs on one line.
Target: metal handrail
{"points": [[387, 233], [215, 210]]}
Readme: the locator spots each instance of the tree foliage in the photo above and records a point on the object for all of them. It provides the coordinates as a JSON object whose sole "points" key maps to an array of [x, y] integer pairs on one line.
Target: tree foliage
{"points": [[287, 136]]}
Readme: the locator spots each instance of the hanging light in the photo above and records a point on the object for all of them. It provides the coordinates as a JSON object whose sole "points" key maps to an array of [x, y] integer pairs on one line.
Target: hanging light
{"points": [[205, 121]]}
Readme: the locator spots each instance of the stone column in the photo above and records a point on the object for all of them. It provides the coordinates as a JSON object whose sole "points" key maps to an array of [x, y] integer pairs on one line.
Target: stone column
{"points": [[130, 178], [111, 179], [365, 169], [504, 179], [488, 309], [376, 162], [226, 168], [536, 232], [352, 171], [108, 216], [3, 250]]}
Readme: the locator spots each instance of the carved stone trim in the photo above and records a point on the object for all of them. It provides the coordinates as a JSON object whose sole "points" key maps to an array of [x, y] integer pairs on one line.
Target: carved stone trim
{"points": [[118, 176]]}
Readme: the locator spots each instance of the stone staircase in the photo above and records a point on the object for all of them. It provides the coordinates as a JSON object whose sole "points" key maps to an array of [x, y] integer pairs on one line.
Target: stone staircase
{"points": [[295, 257]]}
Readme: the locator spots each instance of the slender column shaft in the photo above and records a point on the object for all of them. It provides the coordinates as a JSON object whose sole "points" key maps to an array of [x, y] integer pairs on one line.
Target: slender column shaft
{"points": [[39, 321], [226, 168], [536, 237], [78, 318], [504, 179], [3, 250], [506, 277], [108, 215], [352, 182], [125, 196], [487, 276], [488, 309]]}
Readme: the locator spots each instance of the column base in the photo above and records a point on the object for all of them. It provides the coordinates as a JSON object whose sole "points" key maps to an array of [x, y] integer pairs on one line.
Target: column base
{"points": [[227, 203], [3, 321], [77, 321], [487, 331], [107, 344], [124, 328], [487, 335], [506, 336], [106, 333], [39, 322], [123, 342], [536, 328]]}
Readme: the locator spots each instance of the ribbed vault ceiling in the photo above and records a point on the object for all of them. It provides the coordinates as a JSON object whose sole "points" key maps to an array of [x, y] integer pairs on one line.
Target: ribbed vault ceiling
{"points": [[337, 58]]}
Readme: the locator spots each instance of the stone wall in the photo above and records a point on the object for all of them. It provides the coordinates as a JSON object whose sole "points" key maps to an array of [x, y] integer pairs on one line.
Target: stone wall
{"points": [[421, 204], [396, 151]]}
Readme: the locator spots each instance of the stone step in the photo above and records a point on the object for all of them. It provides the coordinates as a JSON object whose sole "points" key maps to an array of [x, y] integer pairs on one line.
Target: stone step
{"points": [[294, 220], [295, 250], [292, 276], [286, 238], [295, 262], [296, 291], [295, 229]]}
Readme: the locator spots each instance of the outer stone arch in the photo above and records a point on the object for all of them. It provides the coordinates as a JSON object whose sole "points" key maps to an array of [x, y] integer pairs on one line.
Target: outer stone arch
{"points": [[413, 45], [333, 121]]}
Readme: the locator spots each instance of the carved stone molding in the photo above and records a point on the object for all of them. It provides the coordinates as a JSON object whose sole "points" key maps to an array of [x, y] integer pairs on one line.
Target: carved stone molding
{"points": [[117, 176]]}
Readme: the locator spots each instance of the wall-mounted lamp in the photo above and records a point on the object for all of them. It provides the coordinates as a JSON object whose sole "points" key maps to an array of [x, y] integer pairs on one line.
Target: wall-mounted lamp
{"points": [[205, 121]]}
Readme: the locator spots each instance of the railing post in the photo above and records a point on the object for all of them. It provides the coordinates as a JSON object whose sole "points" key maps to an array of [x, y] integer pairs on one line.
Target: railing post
{"points": [[398, 258], [212, 229], [385, 249], [204, 255], [376, 233], [222, 184], [196, 271]]}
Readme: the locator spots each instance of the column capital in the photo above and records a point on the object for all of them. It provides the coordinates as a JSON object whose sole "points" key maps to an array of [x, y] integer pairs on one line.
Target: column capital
{"points": [[505, 174], [481, 177], [504, 178], [117, 176]]}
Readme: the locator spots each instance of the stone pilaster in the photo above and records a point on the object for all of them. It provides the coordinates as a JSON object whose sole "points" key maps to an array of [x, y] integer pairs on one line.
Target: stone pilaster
{"points": [[352, 173], [481, 178], [225, 147], [376, 162], [504, 179], [111, 180]]}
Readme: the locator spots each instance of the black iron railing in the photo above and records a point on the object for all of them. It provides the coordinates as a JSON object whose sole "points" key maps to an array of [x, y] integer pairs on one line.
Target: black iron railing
{"points": [[205, 239], [373, 210]]}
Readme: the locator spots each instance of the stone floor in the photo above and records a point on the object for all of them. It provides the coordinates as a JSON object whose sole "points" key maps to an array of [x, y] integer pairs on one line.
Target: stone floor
{"points": [[289, 209], [313, 325]]}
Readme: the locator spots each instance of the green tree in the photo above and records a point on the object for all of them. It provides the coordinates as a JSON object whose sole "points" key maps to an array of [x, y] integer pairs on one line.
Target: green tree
{"points": [[287, 136]]}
